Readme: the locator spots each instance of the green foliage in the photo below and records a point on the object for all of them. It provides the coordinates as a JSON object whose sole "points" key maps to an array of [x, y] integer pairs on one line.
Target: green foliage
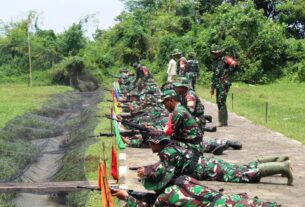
{"points": [[259, 34]]}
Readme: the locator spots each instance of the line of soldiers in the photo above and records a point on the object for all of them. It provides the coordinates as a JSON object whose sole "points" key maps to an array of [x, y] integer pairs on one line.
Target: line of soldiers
{"points": [[172, 124]]}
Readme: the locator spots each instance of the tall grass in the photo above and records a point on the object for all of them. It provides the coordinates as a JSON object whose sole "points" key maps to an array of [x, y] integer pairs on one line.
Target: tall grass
{"points": [[16, 99], [286, 105]]}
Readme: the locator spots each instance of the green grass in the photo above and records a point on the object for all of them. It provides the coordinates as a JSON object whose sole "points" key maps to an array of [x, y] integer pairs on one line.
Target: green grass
{"points": [[16, 99], [286, 100], [95, 152]]}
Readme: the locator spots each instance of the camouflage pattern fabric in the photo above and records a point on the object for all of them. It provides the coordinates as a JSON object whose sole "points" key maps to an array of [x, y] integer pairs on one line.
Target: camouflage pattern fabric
{"points": [[138, 143], [178, 159], [181, 66], [190, 193], [208, 144], [185, 128], [193, 104], [221, 80], [192, 72]]}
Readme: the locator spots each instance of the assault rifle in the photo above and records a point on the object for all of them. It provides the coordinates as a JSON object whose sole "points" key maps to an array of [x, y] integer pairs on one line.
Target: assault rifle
{"points": [[144, 131], [103, 135], [147, 197]]}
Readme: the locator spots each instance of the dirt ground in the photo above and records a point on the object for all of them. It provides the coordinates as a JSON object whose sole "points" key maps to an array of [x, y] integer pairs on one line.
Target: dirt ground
{"points": [[257, 141]]}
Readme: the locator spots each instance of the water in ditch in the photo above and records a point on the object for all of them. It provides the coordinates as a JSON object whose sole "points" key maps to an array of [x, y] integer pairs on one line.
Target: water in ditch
{"points": [[53, 148]]}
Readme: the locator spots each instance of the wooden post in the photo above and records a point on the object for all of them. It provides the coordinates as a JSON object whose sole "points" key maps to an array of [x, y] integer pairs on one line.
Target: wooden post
{"points": [[104, 156], [111, 126], [29, 51], [232, 101], [266, 115]]}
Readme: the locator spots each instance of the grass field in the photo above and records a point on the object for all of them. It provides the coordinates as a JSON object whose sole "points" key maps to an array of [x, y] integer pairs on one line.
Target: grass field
{"points": [[286, 105], [16, 99]]}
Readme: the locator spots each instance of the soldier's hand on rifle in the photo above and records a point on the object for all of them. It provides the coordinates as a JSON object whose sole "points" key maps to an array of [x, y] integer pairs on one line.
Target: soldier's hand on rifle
{"points": [[119, 118], [151, 127], [120, 194], [125, 140], [141, 172], [131, 108]]}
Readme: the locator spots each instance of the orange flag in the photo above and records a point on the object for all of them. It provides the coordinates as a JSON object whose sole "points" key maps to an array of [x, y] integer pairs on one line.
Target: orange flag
{"points": [[114, 164], [104, 186]]}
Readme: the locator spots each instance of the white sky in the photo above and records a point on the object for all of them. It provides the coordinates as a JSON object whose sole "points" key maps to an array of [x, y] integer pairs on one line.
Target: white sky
{"points": [[60, 14]]}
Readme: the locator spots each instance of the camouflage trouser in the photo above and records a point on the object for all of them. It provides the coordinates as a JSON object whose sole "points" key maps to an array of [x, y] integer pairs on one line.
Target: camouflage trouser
{"points": [[192, 77], [138, 143], [201, 122], [212, 168], [192, 195], [221, 97], [210, 144]]}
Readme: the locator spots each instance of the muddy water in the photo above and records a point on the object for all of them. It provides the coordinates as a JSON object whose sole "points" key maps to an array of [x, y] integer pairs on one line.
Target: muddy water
{"points": [[50, 160]]}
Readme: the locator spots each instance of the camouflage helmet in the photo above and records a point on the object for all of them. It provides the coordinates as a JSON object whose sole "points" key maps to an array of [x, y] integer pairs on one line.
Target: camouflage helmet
{"points": [[182, 82], [150, 183], [216, 49], [124, 70], [167, 86], [177, 52], [191, 55], [158, 137], [168, 94], [136, 65]]}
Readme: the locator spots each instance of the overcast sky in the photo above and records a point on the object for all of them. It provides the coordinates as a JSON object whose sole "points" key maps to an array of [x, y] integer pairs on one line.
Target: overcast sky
{"points": [[60, 14]]}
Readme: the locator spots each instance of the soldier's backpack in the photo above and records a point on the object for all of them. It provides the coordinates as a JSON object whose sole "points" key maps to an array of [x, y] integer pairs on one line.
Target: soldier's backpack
{"points": [[192, 66]]}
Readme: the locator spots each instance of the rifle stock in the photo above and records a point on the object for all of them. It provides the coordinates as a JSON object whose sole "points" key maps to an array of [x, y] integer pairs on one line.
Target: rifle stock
{"points": [[147, 197], [103, 135]]}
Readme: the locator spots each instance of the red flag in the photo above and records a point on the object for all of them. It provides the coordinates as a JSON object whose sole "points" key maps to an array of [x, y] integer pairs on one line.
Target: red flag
{"points": [[114, 164], [168, 129]]}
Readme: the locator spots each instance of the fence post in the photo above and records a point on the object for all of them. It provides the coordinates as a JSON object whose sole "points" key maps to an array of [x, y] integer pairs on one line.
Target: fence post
{"points": [[232, 101], [266, 115]]}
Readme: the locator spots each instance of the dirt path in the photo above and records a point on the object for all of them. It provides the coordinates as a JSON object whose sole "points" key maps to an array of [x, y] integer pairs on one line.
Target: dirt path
{"points": [[257, 141]]}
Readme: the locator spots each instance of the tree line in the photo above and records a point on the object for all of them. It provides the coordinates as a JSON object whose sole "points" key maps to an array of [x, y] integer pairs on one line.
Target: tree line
{"points": [[266, 37]]}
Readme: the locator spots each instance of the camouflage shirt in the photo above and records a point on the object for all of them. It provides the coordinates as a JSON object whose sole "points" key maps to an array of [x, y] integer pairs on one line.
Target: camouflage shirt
{"points": [[222, 71], [192, 102], [188, 192], [184, 128], [177, 159]]}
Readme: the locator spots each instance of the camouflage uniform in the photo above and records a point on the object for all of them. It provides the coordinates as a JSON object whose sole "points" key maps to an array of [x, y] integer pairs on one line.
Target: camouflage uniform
{"points": [[188, 192], [178, 160], [192, 102], [192, 72], [138, 143], [222, 71], [184, 128]]}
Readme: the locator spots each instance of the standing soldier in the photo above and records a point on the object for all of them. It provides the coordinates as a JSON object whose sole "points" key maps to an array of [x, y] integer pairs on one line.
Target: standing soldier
{"points": [[223, 67], [192, 71], [172, 69], [181, 62]]}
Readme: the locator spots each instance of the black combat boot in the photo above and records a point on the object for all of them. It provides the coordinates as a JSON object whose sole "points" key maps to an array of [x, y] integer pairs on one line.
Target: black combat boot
{"points": [[208, 118], [210, 129], [218, 150], [234, 144]]}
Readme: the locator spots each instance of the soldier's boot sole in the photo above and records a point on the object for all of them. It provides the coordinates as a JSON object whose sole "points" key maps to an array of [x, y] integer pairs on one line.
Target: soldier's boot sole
{"points": [[220, 149]]}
